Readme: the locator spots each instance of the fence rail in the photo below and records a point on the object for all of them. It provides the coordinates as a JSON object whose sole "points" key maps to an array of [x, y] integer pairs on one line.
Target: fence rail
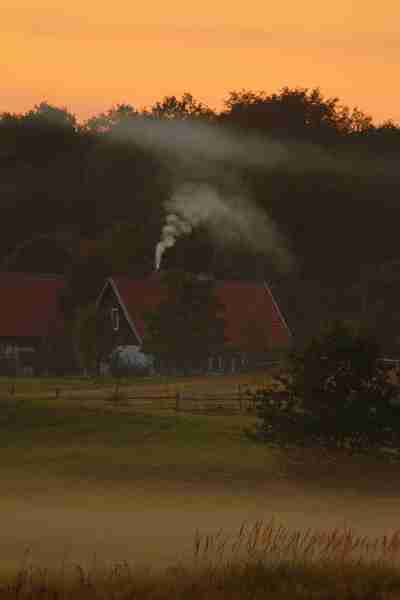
{"points": [[242, 398]]}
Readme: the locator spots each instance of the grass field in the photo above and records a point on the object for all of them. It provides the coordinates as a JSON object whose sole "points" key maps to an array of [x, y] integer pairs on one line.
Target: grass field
{"points": [[210, 383], [127, 483], [84, 435], [113, 443], [222, 393]]}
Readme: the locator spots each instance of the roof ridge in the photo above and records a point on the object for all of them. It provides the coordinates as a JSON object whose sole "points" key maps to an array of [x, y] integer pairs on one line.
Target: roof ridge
{"points": [[151, 278]]}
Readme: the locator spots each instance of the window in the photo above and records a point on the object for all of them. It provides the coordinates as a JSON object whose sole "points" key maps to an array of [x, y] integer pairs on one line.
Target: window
{"points": [[115, 318]]}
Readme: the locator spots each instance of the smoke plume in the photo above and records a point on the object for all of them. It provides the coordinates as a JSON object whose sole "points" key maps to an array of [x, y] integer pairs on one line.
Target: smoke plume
{"points": [[199, 152], [210, 154], [230, 218], [175, 227], [198, 144]]}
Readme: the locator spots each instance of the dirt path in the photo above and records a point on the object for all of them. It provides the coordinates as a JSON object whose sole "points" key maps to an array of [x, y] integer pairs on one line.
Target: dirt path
{"points": [[156, 523]]}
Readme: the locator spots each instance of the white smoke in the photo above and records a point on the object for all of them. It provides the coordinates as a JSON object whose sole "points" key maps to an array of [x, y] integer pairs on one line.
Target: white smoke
{"points": [[174, 228], [199, 151], [230, 219], [195, 144]]}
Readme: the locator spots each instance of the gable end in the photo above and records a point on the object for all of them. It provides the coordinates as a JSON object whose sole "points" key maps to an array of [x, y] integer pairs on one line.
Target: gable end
{"points": [[110, 288]]}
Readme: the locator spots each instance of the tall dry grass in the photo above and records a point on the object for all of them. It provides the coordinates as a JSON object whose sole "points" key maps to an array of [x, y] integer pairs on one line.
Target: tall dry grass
{"points": [[261, 561]]}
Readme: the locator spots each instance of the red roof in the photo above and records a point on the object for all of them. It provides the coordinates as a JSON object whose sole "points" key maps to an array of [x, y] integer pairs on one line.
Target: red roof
{"points": [[251, 314], [28, 304]]}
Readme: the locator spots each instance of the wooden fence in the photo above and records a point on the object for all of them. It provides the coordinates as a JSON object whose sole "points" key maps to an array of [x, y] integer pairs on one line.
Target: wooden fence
{"points": [[240, 399]]}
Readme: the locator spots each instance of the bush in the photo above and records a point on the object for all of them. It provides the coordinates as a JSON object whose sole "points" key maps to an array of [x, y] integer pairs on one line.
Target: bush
{"points": [[286, 424], [341, 367], [338, 394], [129, 361]]}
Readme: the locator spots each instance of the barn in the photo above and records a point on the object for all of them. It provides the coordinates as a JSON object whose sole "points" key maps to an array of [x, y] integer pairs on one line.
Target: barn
{"points": [[29, 316], [254, 325]]}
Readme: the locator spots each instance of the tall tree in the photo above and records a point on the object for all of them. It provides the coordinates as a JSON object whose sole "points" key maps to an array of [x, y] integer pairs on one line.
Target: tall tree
{"points": [[188, 325], [187, 107], [129, 248], [87, 334], [296, 114], [105, 121]]}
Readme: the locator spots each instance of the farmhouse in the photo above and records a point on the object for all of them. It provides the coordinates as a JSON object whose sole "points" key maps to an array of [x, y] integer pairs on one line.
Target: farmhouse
{"points": [[255, 328], [29, 315]]}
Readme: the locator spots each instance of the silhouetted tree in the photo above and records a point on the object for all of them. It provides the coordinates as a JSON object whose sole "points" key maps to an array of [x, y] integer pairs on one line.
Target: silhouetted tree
{"points": [[187, 107], [188, 325], [296, 114], [106, 121]]}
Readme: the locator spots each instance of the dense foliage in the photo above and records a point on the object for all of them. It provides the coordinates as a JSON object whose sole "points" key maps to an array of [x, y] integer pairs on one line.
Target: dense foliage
{"points": [[338, 392], [78, 198], [188, 326], [90, 338], [341, 366]]}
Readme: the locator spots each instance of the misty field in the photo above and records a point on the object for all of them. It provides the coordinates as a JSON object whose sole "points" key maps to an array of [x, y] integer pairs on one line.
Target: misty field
{"points": [[90, 479]]}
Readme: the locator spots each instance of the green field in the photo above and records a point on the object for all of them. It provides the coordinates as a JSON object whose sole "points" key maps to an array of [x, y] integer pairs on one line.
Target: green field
{"points": [[84, 436], [108, 443], [87, 435]]}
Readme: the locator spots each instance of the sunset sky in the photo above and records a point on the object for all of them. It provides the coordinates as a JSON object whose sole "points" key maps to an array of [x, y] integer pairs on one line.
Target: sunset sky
{"points": [[89, 55]]}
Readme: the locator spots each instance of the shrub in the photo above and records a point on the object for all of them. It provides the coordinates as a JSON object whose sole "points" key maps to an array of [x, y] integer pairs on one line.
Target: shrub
{"points": [[341, 366], [128, 361], [343, 390]]}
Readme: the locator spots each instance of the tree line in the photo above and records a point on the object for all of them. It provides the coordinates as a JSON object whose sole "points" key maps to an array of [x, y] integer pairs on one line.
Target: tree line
{"points": [[78, 201]]}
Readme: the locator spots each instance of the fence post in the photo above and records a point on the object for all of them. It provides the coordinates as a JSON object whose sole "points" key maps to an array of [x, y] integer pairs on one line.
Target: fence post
{"points": [[12, 389], [57, 393], [240, 398], [255, 396], [177, 401]]}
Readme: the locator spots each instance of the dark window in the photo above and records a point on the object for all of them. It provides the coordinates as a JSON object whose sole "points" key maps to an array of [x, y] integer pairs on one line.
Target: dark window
{"points": [[115, 318]]}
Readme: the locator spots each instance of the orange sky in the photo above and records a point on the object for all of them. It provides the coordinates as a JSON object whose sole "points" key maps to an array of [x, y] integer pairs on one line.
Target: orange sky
{"points": [[89, 55]]}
